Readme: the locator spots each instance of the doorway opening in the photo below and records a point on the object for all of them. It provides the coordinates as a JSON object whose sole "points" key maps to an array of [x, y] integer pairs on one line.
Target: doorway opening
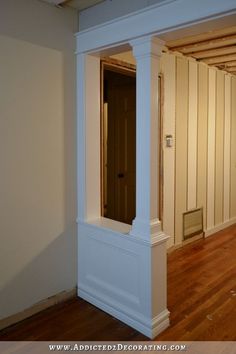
{"points": [[118, 141]]}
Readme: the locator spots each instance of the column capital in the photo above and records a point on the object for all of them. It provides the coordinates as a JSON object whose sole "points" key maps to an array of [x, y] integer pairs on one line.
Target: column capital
{"points": [[147, 46]]}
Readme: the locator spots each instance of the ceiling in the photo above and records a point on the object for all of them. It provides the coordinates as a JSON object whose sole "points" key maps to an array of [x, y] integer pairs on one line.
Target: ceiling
{"points": [[76, 4], [215, 48]]}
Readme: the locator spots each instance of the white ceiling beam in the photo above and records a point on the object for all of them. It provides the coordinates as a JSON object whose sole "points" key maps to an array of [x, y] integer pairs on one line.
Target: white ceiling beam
{"points": [[160, 18]]}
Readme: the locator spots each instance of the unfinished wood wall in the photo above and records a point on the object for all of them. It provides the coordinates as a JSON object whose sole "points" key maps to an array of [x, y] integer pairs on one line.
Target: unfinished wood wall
{"points": [[199, 111], [204, 121]]}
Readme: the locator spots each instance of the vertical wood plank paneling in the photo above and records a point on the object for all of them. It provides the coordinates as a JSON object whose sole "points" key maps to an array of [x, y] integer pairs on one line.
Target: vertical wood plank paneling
{"points": [[211, 149], [181, 146], [233, 150], [192, 135], [227, 112], [168, 68], [202, 139], [219, 148]]}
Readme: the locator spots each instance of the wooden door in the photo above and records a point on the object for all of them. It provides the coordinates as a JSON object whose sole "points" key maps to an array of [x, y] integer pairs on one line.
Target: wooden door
{"points": [[120, 97]]}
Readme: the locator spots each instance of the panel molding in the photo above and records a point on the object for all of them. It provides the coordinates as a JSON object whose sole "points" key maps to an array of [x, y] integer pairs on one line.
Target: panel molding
{"points": [[142, 324], [114, 275]]}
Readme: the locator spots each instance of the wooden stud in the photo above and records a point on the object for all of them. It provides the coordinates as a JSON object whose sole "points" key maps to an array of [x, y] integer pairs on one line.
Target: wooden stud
{"points": [[202, 37], [220, 59], [205, 45], [64, 3], [232, 69], [231, 63], [214, 52]]}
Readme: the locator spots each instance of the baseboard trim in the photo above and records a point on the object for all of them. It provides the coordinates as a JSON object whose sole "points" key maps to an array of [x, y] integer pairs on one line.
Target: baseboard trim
{"points": [[157, 325], [220, 227], [185, 242], [160, 323], [207, 233], [38, 307]]}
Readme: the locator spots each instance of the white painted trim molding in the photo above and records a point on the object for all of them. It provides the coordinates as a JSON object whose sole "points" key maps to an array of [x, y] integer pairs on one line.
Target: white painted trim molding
{"points": [[147, 51], [220, 227], [158, 325], [120, 278], [125, 274], [162, 17]]}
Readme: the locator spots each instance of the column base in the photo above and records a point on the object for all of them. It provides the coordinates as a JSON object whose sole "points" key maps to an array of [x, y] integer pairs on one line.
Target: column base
{"points": [[148, 327], [150, 232], [160, 323]]}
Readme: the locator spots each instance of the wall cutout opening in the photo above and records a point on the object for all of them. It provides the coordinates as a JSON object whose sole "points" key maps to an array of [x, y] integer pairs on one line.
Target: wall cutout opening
{"points": [[118, 142]]}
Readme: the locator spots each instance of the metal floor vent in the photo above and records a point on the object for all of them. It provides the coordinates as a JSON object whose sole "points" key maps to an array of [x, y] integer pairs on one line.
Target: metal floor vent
{"points": [[192, 223]]}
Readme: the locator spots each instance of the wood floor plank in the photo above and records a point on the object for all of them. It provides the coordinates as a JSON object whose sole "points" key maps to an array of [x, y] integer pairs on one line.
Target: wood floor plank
{"points": [[201, 299]]}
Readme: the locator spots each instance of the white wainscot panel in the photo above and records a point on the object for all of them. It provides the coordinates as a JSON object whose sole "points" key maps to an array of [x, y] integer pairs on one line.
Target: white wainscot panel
{"points": [[114, 275]]}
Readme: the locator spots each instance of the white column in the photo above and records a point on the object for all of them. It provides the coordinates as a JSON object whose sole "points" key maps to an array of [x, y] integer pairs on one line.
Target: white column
{"points": [[147, 51], [146, 225], [134, 288]]}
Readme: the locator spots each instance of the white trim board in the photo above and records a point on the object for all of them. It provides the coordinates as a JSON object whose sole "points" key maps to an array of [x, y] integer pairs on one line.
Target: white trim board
{"points": [[160, 18], [220, 227], [158, 325], [129, 274], [118, 280]]}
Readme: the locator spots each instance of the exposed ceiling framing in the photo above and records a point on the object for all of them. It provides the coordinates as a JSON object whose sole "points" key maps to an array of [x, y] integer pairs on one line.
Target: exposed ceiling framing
{"points": [[76, 4], [217, 48]]}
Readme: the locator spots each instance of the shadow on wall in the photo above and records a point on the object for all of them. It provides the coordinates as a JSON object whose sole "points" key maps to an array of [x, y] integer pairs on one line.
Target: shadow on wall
{"points": [[51, 269], [37, 153]]}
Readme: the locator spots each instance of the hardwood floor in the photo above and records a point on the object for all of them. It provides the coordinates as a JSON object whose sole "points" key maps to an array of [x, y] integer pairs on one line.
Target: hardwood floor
{"points": [[201, 299]]}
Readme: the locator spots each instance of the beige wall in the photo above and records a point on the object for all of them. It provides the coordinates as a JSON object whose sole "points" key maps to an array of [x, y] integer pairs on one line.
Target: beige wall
{"points": [[199, 111], [37, 154]]}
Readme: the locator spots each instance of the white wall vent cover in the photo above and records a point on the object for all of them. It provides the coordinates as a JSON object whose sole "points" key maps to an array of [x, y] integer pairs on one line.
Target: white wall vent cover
{"points": [[192, 223]]}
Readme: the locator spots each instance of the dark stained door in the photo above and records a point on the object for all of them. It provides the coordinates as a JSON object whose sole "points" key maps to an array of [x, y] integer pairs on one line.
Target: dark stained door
{"points": [[120, 98]]}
